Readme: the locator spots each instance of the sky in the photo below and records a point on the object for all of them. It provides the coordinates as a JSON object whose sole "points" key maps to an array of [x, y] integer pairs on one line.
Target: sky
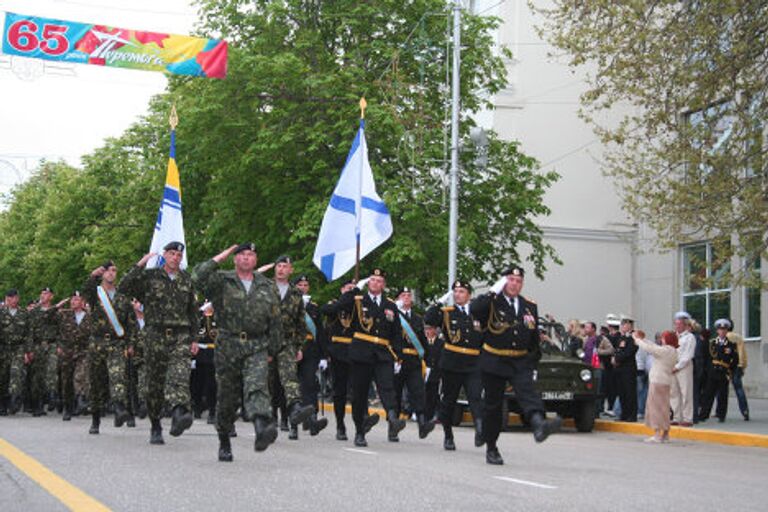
{"points": [[63, 111]]}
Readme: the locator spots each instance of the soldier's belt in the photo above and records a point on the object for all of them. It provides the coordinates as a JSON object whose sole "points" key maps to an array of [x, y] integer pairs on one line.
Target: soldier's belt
{"points": [[371, 339], [206, 345], [410, 351], [462, 350], [341, 339], [504, 352]]}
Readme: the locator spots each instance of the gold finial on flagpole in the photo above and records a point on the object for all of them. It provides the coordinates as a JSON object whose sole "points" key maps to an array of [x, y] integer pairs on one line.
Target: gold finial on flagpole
{"points": [[173, 120], [363, 106]]}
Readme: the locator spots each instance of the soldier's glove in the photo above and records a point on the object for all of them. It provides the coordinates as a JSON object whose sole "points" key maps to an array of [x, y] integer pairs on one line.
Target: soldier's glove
{"points": [[361, 283], [498, 286], [398, 367], [426, 374], [445, 299], [323, 365]]}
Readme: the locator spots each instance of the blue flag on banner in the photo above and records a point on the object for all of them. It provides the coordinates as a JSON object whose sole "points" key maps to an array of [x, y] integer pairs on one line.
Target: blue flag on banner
{"points": [[355, 212], [170, 221]]}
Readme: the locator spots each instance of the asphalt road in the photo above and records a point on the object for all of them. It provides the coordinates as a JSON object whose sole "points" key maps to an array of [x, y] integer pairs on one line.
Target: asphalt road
{"points": [[594, 472]]}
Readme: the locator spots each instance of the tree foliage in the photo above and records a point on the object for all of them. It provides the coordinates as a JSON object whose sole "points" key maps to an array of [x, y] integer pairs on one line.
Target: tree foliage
{"points": [[260, 152], [688, 83]]}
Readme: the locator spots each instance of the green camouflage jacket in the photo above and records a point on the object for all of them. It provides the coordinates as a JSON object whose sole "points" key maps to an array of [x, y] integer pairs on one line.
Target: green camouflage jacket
{"points": [[13, 328], [100, 324], [73, 337], [292, 315], [43, 327]]}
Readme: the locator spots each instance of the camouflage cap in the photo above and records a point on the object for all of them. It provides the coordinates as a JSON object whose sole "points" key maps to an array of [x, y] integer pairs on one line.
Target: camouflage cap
{"points": [[301, 278], [284, 259]]}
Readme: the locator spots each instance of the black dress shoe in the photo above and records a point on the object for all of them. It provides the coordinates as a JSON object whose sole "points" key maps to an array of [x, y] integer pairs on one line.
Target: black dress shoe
{"points": [[395, 426], [492, 456], [425, 426], [341, 435], [370, 421], [300, 413], [360, 440], [266, 433], [479, 438], [225, 448], [543, 428], [746, 416], [317, 425], [181, 420], [448, 444], [156, 433]]}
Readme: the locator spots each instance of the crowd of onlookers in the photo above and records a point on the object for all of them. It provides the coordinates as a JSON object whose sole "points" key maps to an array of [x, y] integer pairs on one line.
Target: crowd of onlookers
{"points": [[671, 379]]}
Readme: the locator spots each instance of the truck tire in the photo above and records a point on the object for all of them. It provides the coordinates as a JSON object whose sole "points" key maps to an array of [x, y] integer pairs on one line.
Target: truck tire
{"points": [[584, 419]]}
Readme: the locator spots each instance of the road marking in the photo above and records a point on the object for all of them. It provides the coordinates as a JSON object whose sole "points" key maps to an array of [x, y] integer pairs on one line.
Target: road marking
{"points": [[72, 497], [525, 482], [358, 450]]}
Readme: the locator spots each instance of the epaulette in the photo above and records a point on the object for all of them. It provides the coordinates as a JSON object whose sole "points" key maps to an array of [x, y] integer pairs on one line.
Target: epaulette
{"points": [[390, 300], [530, 300], [447, 309]]}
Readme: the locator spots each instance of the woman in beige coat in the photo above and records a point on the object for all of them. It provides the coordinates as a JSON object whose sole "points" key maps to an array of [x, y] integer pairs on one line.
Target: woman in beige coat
{"points": [[660, 381]]}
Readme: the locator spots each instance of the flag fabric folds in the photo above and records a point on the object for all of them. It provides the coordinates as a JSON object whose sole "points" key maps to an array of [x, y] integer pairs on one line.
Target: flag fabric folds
{"points": [[170, 222], [355, 212]]}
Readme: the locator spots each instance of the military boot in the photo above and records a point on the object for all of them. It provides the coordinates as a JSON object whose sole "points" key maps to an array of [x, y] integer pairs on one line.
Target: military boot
{"points": [[67, 416], [131, 421], [141, 410], [395, 426], [266, 433], [479, 438], [4, 406], [341, 431], [492, 456], [211, 416], [299, 413], [95, 422], [225, 448], [448, 443], [38, 408], [121, 414], [283, 418], [360, 439], [425, 426], [156, 432], [293, 433], [181, 420], [317, 425], [15, 405], [542, 427], [52, 399], [369, 422], [79, 405]]}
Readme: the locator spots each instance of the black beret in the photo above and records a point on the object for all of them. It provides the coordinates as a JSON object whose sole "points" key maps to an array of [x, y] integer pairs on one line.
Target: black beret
{"points": [[301, 278], [378, 272], [247, 246], [513, 270], [348, 281], [283, 259], [13, 292], [462, 284], [174, 246], [404, 289], [107, 264]]}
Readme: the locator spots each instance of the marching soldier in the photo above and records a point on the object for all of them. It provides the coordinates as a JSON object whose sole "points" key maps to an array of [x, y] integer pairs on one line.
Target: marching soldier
{"points": [[204, 373], [408, 369], [247, 310], [314, 357], [170, 311], [285, 377], [459, 360], [376, 334], [339, 331], [109, 345], [724, 359], [511, 351], [13, 332], [432, 376], [74, 332], [137, 390], [43, 330]]}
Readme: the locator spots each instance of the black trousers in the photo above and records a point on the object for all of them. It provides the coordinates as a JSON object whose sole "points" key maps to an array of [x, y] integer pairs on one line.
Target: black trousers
{"points": [[361, 375], [432, 393], [308, 383], [340, 376], [699, 384], [609, 385], [716, 387], [526, 394], [626, 384], [203, 387], [410, 378], [452, 382]]}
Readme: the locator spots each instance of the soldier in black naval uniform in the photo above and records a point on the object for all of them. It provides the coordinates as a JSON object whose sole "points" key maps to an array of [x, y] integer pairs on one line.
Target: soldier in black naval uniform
{"points": [[204, 373], [510, 352], [724, 359], [625, 370], [339, 332], [408, 370], [459, 360], [314, 358], [376, 335]]}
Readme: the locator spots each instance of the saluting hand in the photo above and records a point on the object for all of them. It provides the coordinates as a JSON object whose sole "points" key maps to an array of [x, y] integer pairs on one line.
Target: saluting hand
{"points": [[98, 271], [194, 348], [265, 268], [143, 261], [223, 255], [61, 303]]}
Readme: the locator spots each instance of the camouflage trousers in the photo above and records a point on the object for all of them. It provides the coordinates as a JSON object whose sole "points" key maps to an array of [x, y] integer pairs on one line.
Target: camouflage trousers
{"points": [[6, 356], [106, 370], [74, 374], [167, 372], [17, 372], [284, 376], [37, 372], [241, 370], [52, 370]]}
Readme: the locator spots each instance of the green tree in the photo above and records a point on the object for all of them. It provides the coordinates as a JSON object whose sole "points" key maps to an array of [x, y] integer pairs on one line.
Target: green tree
{"points": [[677, 92]]}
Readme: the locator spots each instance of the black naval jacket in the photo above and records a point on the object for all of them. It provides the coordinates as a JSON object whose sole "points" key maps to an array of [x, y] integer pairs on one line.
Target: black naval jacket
{"points": [[462, 338], [508, 338], [315, 348], [408, 353], [377, 333], [338, 331], [724, 357], [433, 352], [625, 353], [207, 336]]}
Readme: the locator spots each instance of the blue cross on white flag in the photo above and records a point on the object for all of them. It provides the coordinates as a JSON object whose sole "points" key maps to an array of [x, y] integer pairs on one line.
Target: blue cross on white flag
{"points": [[355, 212]]}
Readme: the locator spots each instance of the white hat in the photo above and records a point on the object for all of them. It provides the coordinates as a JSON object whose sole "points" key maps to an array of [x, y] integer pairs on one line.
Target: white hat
{"points": [[682, 315], [206, 305], [724, 323], [626, 318], [612, 320]]}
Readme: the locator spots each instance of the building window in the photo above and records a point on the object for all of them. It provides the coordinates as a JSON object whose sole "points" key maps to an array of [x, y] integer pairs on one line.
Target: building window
{"points": [[752, 294], [706, 287]]}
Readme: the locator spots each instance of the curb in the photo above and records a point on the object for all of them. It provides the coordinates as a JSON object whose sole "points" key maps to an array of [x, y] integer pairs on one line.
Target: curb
{"points": [[637, 429]]}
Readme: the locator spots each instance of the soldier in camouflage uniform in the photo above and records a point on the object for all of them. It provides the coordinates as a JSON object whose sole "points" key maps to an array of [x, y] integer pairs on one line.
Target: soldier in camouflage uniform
{"points": [[247, 312], [170, 311], [13, 330], [137, 390], [284, 372], [44, 327], [74, 331], [109, 344]]}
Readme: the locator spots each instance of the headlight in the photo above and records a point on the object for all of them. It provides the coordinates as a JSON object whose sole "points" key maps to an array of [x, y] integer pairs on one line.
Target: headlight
{"points": [[586, 375]]}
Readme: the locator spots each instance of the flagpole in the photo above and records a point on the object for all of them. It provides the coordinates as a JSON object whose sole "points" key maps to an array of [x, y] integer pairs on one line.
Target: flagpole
{"points": [[363, 105], [453, 221]]}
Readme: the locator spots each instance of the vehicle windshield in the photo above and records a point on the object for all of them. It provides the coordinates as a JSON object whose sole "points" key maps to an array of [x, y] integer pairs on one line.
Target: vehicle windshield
{"points": [[555, 339]]}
